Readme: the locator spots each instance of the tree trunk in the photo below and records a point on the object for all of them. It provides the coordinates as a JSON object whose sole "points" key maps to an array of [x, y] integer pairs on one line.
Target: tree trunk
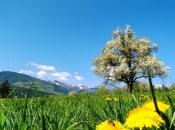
{"points": [[129, 85]]}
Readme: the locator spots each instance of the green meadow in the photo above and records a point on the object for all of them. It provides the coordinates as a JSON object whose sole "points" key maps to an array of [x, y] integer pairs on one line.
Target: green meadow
{"points": [[76, 112]]}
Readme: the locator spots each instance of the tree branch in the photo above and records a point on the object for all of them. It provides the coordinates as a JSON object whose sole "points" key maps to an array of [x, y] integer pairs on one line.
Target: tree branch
{"points": [[144, 76]]}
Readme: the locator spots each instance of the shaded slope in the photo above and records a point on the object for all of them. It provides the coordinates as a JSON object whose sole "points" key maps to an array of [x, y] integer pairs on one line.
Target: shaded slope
{"points": [[24, 82]]}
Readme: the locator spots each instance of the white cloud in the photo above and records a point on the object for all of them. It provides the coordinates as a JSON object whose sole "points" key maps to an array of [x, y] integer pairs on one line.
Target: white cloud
{"points": [[41, 74], [65, 73], [76, 73], [61, 76], [79, 77], [42, 67], [25, 72], [46, 73]]}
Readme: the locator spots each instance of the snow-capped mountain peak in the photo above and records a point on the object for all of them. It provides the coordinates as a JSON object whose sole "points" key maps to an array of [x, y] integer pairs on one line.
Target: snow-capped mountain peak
{"points": [[80, 86]]}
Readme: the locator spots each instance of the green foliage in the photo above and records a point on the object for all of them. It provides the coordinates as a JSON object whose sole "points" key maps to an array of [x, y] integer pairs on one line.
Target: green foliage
{"points": [[5, 89], [77, 111], [173, 86], [118, 91], [103, 91], [80, 111], [72, 93], [136, 87], [141, 87], [72, 112], [164, 88], [84, 93], [163, 115]]}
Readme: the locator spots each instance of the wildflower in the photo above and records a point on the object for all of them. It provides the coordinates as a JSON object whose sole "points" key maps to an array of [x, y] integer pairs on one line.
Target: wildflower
{"points": [[110, 125], [115, 99], [107, 99], [162, 106], [141, 118]]}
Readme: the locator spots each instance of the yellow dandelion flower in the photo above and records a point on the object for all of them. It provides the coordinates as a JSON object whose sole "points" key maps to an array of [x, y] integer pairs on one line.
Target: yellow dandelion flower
{"points": [[107, 99], [110, 125], [143, 118], [115, 99], [162, 106]]}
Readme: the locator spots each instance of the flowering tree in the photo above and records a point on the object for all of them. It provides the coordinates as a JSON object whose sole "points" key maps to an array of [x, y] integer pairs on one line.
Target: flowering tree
{"points": [[125, 59]]}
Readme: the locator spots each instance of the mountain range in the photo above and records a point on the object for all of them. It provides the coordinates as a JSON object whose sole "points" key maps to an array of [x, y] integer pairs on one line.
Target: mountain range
{"points": [[46, 88], [23, 82]]}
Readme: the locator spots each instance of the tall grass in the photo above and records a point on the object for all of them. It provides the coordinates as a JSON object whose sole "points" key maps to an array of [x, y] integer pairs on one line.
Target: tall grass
{"points": [[76, 112]]}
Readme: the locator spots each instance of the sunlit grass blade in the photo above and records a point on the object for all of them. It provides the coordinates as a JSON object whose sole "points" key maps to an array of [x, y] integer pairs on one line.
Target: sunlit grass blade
{"points": [[152, 91], [173, 119], [42, 117], [12, 91], [171, 103], [135, 100], [23, 125], [155, 102]]}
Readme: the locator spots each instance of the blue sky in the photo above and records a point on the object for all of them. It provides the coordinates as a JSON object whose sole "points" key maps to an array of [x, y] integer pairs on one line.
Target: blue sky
{"points": [[58, 39]]}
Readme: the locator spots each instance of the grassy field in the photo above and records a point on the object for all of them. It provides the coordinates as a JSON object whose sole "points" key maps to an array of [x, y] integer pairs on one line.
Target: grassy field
{"points": [[79, 112]]}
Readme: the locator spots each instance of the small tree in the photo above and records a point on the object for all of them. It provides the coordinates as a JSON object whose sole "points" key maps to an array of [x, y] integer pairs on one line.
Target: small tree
{"points": [[85, 93], [136, 87], [118, 91], [103, 91], [164, 88], [144, 86], [5, 89], [72, 93], [173, 86], [125, 59], [141, 87]]}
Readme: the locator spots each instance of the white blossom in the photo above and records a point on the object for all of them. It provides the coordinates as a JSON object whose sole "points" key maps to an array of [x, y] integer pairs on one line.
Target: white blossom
{"points": [[125, 56]]}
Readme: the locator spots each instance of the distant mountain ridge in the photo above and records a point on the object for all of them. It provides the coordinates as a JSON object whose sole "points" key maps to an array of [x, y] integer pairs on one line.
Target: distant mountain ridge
{"points": [[45, 88], [78, 88]]}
